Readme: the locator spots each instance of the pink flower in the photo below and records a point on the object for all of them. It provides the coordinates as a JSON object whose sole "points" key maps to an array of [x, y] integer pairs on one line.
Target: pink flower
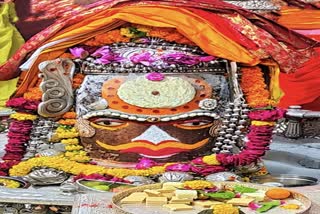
{"points": [[16, 102], [142, 58], [79, 52], [105, 50], [145, 163], [198, 161], [206, 170], [179, 167], [267, 115], [154, 76]]}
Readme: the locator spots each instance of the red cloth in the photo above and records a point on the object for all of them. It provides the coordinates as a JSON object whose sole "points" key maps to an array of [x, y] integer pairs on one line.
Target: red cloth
{"points": [[303, 86], [292, 39]]}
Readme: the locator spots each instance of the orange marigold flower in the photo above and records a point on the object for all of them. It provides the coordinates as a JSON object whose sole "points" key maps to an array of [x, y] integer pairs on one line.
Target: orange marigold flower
{"points": [[69, 115], [67, 121], [33, 94]]}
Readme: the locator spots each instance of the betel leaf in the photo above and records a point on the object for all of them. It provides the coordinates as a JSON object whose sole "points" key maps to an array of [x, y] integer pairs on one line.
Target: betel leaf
{"points": [[243, 189], [210, 211], [268, 205], [264, 208], [273, 203], [221, 195]]}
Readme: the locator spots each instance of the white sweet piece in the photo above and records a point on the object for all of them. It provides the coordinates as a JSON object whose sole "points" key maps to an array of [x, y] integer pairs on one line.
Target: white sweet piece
{"points": [[144, 93], [186, 194]]}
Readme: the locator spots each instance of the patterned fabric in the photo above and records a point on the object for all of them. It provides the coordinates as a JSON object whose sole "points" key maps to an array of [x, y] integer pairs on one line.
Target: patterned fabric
{"points": [[284, 40]]}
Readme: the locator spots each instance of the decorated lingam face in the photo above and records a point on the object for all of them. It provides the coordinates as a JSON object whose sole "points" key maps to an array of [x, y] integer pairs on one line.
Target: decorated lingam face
{"points": [[162, 117]]}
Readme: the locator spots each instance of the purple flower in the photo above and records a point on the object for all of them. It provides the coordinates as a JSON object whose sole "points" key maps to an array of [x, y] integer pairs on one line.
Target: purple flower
{"points": [[206, 170], [79, 52], [179, 167], [154, 76], [143, 58], [182, 58], [105, 50], [16, 102], [145, 163], [198, 161]]}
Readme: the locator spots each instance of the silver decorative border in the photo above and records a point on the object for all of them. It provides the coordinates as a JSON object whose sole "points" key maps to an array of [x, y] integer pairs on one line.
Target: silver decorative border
{"points": [[150, 118]]}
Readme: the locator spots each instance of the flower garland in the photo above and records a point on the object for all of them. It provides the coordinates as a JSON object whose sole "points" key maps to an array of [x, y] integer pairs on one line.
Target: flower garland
{"points": [[262, 121], [23, 116], [75, 168], [134, 32], [18, 136], [34, 94], [254, 88], [68, 136], [23, 104]]}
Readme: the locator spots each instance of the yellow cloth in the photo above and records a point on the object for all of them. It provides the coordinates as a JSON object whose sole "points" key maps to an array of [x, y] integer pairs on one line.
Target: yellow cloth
{"points": [[275, 90], [7, 88], [10, 38], [303, 19], [192, 26]]}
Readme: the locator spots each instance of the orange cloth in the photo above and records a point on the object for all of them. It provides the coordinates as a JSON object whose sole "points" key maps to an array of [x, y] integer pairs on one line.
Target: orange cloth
{"points": [[303, 86], [192, 26], [296, 18]]}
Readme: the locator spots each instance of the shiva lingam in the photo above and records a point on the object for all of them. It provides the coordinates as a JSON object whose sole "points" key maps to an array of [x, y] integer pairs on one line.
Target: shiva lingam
{"points": [[178, 113]]}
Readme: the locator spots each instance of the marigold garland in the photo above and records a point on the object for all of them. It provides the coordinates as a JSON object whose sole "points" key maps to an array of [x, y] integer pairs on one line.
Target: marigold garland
{"points": [[63, 132], [67, 121], [75, 168], [70, 141], [33, 94], [73, 147], [69, 115], [254, 87], [211, 160], [125, 34], [23, 116], [77, 80]]}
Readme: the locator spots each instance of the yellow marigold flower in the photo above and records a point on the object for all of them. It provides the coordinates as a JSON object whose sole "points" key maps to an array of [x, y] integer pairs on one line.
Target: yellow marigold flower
{"points": [[143, 28], [72, 141], [73, 147], [126, 32], [9, 183], [211, 160], [198, 184], [23, 116], [225, 209]]}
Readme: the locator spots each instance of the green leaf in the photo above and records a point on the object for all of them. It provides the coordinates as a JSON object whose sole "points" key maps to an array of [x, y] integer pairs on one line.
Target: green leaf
{"points": [[272, 203], [268, 205], [264, 208], [221, 195], [243, 189]]}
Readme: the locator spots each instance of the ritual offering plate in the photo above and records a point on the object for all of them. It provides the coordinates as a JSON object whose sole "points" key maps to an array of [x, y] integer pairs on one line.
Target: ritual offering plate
{"points": [[286, 180], [204, 197], [102, 186]]}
